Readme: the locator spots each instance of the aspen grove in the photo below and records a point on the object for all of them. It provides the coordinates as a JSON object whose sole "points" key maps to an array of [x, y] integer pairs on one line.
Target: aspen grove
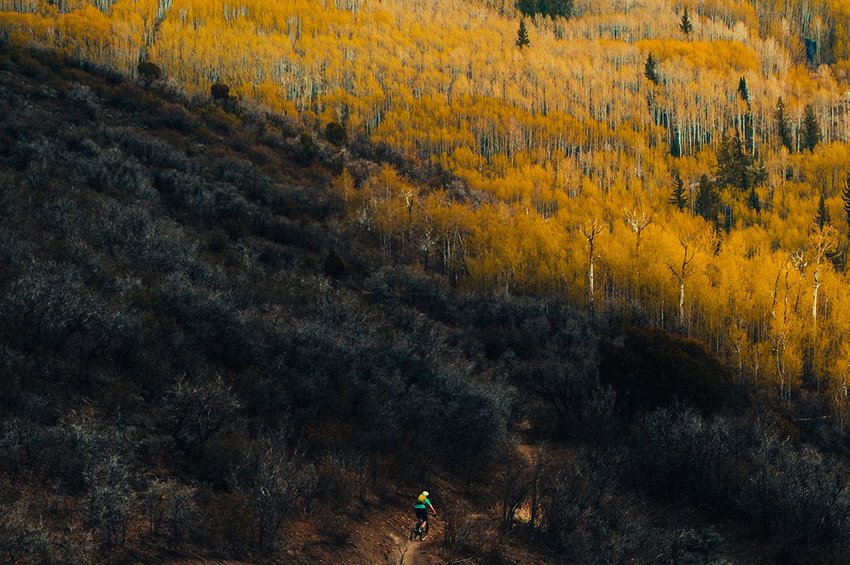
{"points": [[693, 175]]}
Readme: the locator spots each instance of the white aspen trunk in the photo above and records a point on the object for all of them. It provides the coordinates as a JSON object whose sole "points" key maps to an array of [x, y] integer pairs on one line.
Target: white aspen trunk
{"points": [[815, 296]]}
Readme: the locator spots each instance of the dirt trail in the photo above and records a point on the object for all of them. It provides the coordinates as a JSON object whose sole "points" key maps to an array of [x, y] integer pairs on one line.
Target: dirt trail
{"points": [[408, 552], [384, 538]]}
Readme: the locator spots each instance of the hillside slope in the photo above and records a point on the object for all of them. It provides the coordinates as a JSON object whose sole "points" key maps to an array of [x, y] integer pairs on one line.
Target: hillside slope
{"points": [[695, 176], [180, 363], [206, 355]]}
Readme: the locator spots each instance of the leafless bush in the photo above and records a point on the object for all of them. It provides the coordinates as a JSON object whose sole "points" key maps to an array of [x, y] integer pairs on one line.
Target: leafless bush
{"points": [[196, 411], [515, 484], [464, 533], [274, 481], [172, 504], [84, 99], [109, 500]]}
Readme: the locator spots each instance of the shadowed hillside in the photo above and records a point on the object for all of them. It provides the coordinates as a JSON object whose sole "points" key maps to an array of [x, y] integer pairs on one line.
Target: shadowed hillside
{"points": [[204, 353]]}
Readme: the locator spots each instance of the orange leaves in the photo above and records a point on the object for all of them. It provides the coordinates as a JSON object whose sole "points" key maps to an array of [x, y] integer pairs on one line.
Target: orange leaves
{"points": [[84, 32], [726, 57], [563, 133]]}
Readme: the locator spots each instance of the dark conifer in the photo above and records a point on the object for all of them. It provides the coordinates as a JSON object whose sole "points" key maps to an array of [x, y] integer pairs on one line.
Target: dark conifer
{"points": [[522, 35], [650, 69], [782, 127], [685, 23], [560, 8], [759, 174], [679, 199], [753, 202], [734, 166], [743, 91], [845, 196], [707, 202], [528, 7], [811, 129], [822, 217]]}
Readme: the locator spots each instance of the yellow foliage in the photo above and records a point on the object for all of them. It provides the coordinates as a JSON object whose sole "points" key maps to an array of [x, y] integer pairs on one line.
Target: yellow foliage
{"points": [[566, 134]]}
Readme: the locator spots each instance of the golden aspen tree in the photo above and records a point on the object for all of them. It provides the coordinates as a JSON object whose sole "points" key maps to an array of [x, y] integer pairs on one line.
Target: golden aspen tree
{"points": [[681, 273], [590, 231], [824, 240]]}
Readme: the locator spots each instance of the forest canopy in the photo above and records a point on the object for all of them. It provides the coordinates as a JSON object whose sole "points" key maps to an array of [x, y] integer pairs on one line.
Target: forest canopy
{"points": [[572, 140]]}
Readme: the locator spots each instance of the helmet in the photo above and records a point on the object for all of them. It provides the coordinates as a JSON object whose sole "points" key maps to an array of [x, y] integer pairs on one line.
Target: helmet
{"points": [[425, 492]]}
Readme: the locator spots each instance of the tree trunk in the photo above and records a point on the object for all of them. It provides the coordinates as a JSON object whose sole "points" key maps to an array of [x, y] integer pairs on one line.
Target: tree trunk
{"points": [[815, 296]]}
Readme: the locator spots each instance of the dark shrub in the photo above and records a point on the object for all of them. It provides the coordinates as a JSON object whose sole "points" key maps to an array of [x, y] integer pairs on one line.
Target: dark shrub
{"points": [[176, 117], [653, 368], [220, 92], [336, 133], [307, 150], [220, 120], [334, 267], [149, 72]]}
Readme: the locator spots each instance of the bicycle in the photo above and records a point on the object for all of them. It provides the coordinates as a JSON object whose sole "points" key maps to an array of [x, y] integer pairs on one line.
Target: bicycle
{"points": [[418, 531]]}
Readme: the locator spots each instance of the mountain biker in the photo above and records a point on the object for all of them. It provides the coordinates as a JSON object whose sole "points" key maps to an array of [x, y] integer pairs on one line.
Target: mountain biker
{"points": [[421, 509]]}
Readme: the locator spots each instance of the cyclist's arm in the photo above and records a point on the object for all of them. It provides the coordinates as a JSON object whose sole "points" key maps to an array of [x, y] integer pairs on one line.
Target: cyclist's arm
{"points": [[432, 508]]}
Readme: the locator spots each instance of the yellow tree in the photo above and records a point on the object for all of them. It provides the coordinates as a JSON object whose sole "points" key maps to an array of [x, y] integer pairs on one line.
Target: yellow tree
{"points": [[590, 230], [681, 272], [823, 241]]}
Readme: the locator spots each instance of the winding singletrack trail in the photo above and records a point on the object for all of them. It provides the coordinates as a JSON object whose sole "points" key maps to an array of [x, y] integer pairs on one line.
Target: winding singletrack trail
{"points": [[384, 538], [408, 552]]}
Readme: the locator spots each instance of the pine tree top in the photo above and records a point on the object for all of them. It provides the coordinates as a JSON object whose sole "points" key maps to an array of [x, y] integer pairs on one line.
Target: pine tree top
{"points": [[743, 90], [650, 69], [845, 196], [522, 39], [685, 23], [811, 129], [679, 198], [822, 217]]}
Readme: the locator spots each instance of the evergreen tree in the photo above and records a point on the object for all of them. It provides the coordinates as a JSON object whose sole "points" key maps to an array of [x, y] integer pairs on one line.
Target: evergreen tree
{"points": [[522, 35], [551, 8], [528, 7], [753, 202], [845, 196], [707, 203], [725, 159], [685, 23], [735, 167], [650, 69], [811, 129], [560, 8], [822, 217], [759, 174], [679, 199], [743, 91], [782, 127]]}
